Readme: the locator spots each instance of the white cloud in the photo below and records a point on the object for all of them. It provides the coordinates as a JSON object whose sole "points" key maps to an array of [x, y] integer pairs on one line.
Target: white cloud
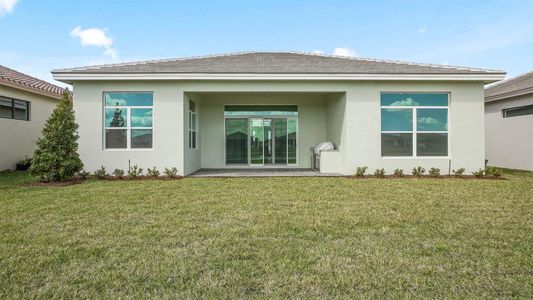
{"points": [[422, 30], [95, 37], [445, 63], [6, 6], [344, 51], [428, 121], [317, 52], [404, 102]]}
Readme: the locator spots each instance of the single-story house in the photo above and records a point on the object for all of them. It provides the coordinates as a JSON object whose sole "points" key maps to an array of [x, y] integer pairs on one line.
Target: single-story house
{"points": [[25, 105], [509, 123], [268, 109]]}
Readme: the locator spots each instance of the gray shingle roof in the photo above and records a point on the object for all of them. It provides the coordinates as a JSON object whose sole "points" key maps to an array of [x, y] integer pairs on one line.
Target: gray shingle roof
{"points": [[274, 63], [516, 86], [16, 79]]}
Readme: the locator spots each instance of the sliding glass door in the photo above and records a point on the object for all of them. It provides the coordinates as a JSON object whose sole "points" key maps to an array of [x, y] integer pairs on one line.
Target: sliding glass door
{"points": [[261, 141], [237, 141]]}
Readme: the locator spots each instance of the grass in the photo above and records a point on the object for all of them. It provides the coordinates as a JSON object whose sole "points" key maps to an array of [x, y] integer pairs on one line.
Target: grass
{"points": [[267, 237]]}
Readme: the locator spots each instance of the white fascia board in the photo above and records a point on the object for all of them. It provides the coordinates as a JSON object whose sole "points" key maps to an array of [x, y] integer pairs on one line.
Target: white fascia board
{"points": [[69, 77]]}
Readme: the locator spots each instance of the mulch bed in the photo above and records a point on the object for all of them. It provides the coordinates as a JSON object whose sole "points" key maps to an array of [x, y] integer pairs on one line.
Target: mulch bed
{"points": [[427, 176]]}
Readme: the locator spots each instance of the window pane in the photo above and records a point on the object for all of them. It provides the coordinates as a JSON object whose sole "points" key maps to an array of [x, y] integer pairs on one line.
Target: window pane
{"points": [[291, 142], [414, 99], [193, 121], [141, 117], [5, 108], [115, 138], [257, 138], [432, 144], [141, 138], [518, 111], [21, 110], [236, 141], [193, 139], [128, 99], [192, 106], [396, 119], [432, 119], [396, 144], [280, 141], [115, 117]]}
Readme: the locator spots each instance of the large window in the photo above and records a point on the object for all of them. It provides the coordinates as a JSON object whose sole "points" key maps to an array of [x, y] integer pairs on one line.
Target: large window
{"points": [[128, 118], [414, 124], [193, 135], [14, 109], [518, 111]]}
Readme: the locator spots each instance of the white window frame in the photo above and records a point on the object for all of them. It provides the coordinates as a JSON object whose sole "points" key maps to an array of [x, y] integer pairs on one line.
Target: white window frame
{"points": [[191, 129], [128, 127], [414, 130]]}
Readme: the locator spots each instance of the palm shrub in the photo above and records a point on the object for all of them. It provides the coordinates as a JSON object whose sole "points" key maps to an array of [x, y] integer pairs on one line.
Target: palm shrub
{"points": [[135, 172], [398, 173], [479, 174], [100, 173], [459, 172], [418, 171], [434, 172], [379, 173], [56, 157], [360, 171], [153, 172], [171, 173], [493, 171], [83, 174], [118, 173]]}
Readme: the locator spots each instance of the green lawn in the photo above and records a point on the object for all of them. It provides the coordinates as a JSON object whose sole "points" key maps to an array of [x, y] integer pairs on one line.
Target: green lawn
{"points": [[268, 237]]}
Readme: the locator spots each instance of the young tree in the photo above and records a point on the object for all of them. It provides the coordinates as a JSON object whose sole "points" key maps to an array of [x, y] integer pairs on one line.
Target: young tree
{"points": [[56, 157]]}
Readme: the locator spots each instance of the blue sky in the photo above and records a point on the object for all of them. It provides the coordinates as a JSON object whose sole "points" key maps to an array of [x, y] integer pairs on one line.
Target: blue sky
{"points": [[38, 36]]}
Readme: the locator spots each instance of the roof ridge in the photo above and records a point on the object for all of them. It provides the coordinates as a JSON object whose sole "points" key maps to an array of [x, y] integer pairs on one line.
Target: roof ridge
{"points": [[399, 62], [507, 80]]}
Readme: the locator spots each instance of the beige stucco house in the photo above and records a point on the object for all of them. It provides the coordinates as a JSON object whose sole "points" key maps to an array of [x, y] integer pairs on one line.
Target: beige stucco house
{"points": [[509, 123], [268, 109], [25, 105]]}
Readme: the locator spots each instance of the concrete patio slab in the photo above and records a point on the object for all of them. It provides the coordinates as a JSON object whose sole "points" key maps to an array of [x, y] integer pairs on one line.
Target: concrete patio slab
{"points": [[260, 173]]}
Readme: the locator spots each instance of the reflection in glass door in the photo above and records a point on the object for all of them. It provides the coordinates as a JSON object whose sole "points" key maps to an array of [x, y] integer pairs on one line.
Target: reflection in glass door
{"points": [[237, 141], [257, 134]]}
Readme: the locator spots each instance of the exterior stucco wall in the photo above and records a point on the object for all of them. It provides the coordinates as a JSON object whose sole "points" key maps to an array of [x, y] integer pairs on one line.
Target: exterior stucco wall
{"points": [[18, 137], [509, 141], [360, 129]]}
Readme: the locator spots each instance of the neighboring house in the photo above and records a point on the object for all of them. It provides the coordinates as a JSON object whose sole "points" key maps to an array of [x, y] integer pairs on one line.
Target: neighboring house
{"points": [[25, 105], [267, 109], [509, 123]]}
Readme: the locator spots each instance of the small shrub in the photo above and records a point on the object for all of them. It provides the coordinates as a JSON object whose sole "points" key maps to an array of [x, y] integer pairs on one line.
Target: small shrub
{"points": [[418, 171], [398, 173], [24, 164], [434, 172], [171, 173], [379, 173], [153, 172], [459, 172], [360, 171], [100, 173], [118, 173], [135, 172], [83, 174], [493, 171], [479, 174]]}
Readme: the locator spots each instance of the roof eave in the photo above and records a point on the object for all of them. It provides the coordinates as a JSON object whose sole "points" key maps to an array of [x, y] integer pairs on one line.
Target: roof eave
{"points": [[507, 95], [29, 89], [70, 77]]}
